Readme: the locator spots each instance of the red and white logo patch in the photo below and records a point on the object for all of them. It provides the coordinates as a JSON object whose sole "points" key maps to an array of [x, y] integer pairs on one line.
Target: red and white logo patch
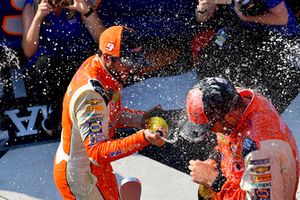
{"points": [[110, 46]]}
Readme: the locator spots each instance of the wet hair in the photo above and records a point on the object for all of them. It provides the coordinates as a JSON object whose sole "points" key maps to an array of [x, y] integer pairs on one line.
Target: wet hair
{"points": [[219, 97]]}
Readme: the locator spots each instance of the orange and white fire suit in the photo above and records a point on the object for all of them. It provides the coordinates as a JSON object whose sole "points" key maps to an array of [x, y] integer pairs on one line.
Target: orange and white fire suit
{"points": [[260, 158], [91, 110]]}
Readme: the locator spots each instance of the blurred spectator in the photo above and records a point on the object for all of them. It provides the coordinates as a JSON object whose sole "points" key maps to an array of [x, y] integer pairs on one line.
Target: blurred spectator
{"points": [[57, 36], [11, 56], [251, 46], [272, 15]]}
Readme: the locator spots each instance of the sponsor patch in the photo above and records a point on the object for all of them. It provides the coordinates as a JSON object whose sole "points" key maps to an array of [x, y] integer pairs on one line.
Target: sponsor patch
{"points": [[94, 101], [261, 178], [95, 107], [125, 150], [115, 153], [259, 162], [95, 126], [95, 132], [98, 87], [260, 169], [98, 116], [72, 21], [260, 185], [248, 146], [95, 138], [263, 193]]}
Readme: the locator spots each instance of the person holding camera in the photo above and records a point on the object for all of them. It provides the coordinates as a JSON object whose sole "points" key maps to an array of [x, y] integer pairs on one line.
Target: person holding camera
{"points": [[256, 154], [254, 43], [274, 15], [57, 36], [92, 111]]}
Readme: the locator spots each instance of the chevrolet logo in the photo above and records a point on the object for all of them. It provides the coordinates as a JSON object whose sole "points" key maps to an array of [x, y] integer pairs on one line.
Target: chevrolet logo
{"points": [[261, 170]]}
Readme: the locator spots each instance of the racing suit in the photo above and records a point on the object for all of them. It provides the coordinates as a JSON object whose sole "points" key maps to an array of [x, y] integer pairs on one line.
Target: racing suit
{"points": [[91, 109], [260, 158]]}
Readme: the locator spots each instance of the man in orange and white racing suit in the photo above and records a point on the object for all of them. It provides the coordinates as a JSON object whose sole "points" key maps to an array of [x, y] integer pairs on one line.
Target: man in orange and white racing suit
{"points": [[91, 113], [258, 156]]}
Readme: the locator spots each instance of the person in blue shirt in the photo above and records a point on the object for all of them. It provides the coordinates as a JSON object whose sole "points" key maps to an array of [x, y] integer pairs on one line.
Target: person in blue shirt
{"points": [[272, 15], [253, 45], [51, 29], [57, 36]]}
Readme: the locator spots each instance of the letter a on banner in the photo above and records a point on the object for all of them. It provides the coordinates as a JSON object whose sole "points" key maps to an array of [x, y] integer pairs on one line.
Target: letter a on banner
{"points": [[31, 119]]}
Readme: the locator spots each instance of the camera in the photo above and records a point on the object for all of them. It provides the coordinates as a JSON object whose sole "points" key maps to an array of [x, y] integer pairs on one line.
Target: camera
{"points": [[60, 3], [223, 2], [252, 7]]}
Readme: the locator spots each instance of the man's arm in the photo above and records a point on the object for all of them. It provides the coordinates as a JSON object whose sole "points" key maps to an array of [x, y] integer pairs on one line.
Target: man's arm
{"points": [[92, 120], [92, 21], [31, 24], [270, 172]]}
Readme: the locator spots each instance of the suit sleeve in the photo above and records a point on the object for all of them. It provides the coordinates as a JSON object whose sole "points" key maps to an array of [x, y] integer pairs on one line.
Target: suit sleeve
{"points": [[269, 165], [270, 173], [92, 117]]}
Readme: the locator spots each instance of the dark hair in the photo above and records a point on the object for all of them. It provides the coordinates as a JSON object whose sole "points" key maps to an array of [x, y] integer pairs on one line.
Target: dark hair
{"points": [[219, 97]]}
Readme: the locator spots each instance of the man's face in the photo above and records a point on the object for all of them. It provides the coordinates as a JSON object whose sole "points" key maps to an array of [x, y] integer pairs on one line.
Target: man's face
{"points": [[119, 70], [227, 124]]}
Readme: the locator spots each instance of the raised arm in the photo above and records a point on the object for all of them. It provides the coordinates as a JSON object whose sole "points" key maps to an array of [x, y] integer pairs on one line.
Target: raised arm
{"points": [[92, 119], [31, 23], [89, 17]]}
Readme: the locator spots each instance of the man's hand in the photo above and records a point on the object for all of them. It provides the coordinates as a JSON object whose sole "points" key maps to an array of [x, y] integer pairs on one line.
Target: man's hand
{"points": [[154, 137], [203, 172]]}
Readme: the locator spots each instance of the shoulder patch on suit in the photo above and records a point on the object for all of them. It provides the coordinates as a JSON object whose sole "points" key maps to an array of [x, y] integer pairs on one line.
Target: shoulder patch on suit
{"points": [[248, 146], [99, 88]]}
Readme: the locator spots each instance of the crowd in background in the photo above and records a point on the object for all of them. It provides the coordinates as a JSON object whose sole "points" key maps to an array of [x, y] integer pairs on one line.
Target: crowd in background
{"points": [[51, 39]]}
